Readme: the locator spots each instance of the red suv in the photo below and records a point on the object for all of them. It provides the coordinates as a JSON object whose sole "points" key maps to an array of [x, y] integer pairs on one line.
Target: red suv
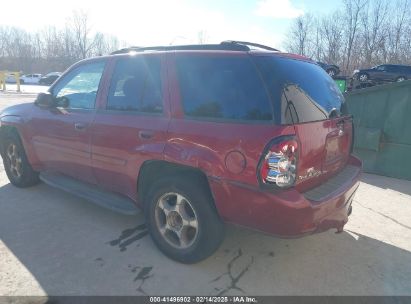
{"points": [[195, 136]]}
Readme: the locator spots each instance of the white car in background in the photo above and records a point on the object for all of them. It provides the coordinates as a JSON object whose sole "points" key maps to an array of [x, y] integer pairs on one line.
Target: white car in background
{"points": [[10, 78], [30, 79]]}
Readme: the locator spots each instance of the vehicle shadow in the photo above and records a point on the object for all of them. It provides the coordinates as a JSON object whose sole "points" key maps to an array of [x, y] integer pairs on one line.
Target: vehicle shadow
{"points": [[52, 243]]}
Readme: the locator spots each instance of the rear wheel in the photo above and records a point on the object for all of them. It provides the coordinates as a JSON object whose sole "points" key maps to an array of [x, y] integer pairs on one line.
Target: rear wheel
{"points": [[18, 169], [182, 219]]}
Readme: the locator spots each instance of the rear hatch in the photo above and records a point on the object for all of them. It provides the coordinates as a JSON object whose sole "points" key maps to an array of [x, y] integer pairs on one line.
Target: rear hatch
{"points": [[307, 98]]}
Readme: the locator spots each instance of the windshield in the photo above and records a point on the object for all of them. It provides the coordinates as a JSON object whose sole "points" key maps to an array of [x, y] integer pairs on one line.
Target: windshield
{"points": [[301, 90]]}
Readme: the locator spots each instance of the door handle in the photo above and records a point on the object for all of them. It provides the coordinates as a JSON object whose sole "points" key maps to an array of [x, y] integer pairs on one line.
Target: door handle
{"points": [[80, 126], [145, 134]]}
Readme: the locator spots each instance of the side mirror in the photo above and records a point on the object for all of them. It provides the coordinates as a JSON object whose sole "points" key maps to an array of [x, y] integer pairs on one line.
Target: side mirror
{"points": [[44, 100]]}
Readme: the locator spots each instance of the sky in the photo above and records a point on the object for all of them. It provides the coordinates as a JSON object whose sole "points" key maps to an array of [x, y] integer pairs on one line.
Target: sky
{"points": [[165, 22]]}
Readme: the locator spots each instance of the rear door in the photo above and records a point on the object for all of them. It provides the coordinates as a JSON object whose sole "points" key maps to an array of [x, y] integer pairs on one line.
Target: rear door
{"points": [[131, 123], [380, 73], [307, 98], [392, 72]]}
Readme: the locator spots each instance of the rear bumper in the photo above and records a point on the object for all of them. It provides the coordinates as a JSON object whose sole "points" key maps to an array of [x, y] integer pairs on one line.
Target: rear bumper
{"points": [[289, 213]]}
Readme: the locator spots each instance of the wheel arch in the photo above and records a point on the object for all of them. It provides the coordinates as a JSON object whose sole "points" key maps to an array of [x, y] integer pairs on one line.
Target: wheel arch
{"points": [[152, 170], [13, 124], [4, 131]]}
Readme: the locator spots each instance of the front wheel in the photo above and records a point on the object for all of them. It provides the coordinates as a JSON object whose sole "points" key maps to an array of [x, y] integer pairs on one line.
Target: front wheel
{"points": [[182, 219], [18, 169], [363, 77]]}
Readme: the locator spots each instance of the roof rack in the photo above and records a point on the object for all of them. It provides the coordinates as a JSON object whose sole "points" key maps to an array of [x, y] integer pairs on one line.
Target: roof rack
{"points": [[246, 43], [228, 45]]}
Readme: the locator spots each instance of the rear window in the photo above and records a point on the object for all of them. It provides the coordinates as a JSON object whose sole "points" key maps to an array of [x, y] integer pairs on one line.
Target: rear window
{"points": [[222, 87], [301, 91]]}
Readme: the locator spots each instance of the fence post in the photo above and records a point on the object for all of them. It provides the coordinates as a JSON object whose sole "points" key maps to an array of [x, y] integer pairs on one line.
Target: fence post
{"points": [[17, 77], [3, 80]]}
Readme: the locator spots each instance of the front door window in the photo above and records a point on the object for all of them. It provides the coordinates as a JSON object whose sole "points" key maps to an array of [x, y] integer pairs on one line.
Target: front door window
{"points": [[78, 89]]}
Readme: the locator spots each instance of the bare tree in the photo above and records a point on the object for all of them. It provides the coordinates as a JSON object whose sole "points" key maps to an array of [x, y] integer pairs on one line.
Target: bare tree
{"points": [[202, 37], [353, 10], [299, 35], [317, 40], [82, 32], [374, 30], [104, 44], [332, 33], [400, 20]]}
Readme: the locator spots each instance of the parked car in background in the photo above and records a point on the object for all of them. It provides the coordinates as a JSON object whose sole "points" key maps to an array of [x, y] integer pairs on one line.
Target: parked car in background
{"points": [[10, 78], [30, 79], [384, 73], [331, 69], [209, 134], [49, 78]]}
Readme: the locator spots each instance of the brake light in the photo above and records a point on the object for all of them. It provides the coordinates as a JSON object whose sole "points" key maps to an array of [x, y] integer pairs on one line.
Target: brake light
{"points": [[279, 165]]}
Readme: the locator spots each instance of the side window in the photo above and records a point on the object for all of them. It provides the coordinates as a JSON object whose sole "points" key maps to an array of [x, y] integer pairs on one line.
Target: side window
{"points": [[222, 87], [136, 85], [391, 69], [78, 89]]}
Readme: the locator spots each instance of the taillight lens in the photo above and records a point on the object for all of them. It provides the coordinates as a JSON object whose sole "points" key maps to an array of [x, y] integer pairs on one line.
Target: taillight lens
{"points": [[279, 165]]}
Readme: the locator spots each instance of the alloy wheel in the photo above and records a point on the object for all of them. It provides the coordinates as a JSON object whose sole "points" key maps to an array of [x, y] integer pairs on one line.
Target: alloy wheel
{"points": [[176, 220], [363, 77], [15, 161]]}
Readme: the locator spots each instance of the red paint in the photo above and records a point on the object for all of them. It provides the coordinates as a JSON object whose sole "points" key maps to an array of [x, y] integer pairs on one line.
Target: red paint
{"points": [[113, 146]]}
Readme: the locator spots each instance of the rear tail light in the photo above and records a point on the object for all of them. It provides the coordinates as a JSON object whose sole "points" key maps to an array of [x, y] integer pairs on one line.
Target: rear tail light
{"points": [[278, 166]]}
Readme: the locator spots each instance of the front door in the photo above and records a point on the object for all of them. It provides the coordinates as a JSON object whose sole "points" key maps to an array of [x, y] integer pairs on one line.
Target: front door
{"points": [[62, 133]]}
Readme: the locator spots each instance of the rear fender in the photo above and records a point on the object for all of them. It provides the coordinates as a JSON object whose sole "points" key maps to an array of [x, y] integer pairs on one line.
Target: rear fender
{"points": [[194, 155]]}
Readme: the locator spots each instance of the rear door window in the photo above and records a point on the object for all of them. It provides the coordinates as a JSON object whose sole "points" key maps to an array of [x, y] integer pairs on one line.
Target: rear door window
{"points": [[136, 85], [392, 69], [221, 87], [301, 91]]}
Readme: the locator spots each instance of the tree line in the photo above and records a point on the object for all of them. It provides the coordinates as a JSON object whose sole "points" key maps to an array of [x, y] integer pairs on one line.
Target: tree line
{"points": [[52, 48], [361, 34]]}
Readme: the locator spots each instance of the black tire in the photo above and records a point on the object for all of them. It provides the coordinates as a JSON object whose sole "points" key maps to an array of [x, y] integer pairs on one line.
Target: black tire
{"points": [[363, 77], [27, 176], [210, 232]]}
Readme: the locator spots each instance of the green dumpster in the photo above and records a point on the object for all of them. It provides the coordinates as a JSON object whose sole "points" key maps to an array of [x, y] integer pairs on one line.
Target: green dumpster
{"points": [[341, 83], [382, 128]]}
